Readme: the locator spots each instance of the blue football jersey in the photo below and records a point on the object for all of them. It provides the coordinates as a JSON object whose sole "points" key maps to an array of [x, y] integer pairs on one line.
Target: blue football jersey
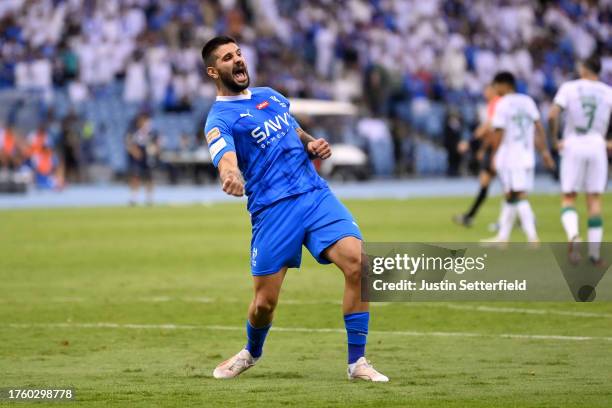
{"points": [[257, 126]]}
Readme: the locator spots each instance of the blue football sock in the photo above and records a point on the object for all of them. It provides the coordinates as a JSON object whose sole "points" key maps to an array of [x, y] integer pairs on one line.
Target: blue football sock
{"points": [[357, 334], [256, 338]]}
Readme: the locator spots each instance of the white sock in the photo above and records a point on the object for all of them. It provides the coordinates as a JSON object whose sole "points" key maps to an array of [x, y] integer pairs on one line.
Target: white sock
{"points": [[595, 235], [134, 196], [506, 221], [527, 220], [352, 366], [569, 220]]}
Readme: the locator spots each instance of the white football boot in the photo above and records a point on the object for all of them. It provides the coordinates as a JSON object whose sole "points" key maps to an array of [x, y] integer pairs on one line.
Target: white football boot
{"points": [[235, 366], [362, 370], [494, 242]]}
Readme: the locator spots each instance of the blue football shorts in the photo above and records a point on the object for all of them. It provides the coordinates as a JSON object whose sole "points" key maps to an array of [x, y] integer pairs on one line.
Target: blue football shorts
{"points": [[316, 219]]}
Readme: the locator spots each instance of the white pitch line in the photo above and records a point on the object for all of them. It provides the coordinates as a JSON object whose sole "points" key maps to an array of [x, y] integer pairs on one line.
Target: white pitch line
{"points": [[455, 306], [170, 326], [493, 309]]}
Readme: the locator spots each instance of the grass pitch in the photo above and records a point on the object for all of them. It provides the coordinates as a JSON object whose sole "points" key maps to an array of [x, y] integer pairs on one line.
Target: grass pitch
{"points": [[135, 306]]}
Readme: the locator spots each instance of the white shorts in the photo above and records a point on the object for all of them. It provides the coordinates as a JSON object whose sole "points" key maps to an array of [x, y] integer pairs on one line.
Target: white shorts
{"points": [[584, 167], [517, 179]]}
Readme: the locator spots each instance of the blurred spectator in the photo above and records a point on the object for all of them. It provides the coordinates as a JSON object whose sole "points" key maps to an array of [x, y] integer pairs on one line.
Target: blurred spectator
{"points": [[177, 97], [11, 148], [14, 174], [185, 143], [70, 147], [349, 83], [452, 137], [379, 144], [143, 149], [38, 139], [136, 86], [87, 143], [453, 63], [33, 73], [47, 169], [77, 92], [159, 70]]}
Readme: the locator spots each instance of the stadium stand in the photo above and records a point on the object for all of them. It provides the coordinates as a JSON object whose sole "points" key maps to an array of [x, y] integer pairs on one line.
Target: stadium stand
{"points": [[406, 62]]}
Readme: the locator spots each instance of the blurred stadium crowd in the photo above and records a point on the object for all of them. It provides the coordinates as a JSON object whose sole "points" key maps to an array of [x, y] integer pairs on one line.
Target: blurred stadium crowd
{"points": [[80, 71]]}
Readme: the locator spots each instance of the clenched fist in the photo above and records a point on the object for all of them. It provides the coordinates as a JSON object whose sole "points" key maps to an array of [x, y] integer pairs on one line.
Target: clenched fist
{"points": [[319, 148], [233, 185]]}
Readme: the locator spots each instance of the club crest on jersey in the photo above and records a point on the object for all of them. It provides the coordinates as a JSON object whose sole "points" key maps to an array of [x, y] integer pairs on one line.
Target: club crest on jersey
{"points": [[212, 134], [263, 105], [275, 99]]}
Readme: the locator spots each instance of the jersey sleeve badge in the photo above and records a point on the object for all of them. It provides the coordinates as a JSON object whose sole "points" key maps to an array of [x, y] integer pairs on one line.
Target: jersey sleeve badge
{"points": [[212, 135]]}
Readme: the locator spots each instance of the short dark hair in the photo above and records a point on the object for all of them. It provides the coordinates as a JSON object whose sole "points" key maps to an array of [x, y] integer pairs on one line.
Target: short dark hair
{"points": [[505, 77], [593, 64], [210, 47]]}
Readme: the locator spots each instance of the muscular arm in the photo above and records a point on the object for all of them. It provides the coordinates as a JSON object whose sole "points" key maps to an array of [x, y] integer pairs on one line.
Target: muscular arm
{"points": [[487, 139], [541, 145], [231, 178], [314, 147], [483, 130], [553, 124], [305, 138], [495, 139]]}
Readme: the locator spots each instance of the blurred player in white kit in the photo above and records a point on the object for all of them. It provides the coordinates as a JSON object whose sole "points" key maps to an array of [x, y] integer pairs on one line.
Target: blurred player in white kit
{"points": [[584, 161], [517, 129]]}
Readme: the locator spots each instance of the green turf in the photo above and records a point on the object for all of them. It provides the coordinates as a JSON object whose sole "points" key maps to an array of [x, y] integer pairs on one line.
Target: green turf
{"points": [[188, 266]]}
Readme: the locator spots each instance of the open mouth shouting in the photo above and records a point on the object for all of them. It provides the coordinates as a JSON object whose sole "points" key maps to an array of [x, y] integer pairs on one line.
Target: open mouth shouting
{"points": [[240, 74]]}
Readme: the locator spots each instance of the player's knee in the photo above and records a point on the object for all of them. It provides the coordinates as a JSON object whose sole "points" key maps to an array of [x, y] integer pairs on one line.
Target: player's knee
{"points": [[265, 305], [352, 267], [569, 196]]}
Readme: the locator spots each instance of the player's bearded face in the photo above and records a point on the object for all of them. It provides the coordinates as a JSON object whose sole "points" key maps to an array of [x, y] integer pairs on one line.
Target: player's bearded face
{"points": [[235, 76]]}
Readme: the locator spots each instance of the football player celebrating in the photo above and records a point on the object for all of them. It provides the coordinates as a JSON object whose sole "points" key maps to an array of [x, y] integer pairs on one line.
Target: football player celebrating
{"points": [[262, 152]]}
